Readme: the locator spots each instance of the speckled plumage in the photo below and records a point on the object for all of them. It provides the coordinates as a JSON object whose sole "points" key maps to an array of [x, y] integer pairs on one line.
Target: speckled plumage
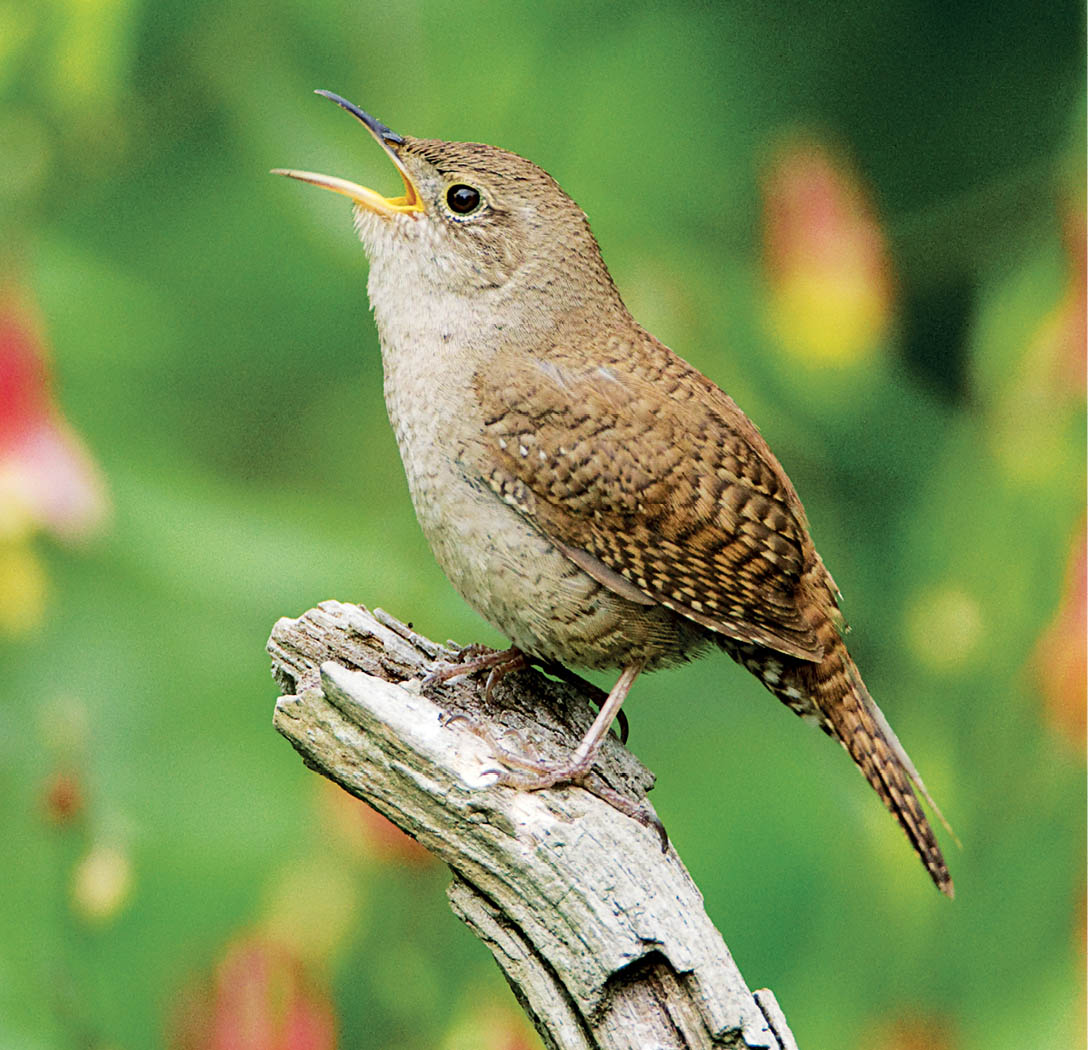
{"points": [[588, 491]]}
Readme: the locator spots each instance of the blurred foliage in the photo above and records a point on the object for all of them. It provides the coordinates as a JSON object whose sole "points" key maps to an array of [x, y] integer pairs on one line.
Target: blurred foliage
{"points": [[866, 222]]}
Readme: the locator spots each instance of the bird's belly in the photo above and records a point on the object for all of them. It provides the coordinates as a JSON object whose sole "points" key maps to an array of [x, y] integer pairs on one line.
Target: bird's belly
{"points": [[516, 579]]}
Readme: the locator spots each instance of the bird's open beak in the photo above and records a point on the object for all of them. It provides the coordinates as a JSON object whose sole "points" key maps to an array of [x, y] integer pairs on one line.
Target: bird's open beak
{"points": [[361, 195]]}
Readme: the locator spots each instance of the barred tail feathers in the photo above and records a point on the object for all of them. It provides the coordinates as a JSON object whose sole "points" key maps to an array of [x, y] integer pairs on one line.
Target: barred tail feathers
{"points": [[850, 714], [832, 695]]}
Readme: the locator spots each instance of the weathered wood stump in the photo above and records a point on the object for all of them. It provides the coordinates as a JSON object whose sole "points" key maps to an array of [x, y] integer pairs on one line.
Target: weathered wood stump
{"points": [[602, 935]]}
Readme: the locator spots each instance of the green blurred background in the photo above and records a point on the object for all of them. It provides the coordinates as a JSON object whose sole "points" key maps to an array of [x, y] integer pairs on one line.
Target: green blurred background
{"points": [[865, 221]]}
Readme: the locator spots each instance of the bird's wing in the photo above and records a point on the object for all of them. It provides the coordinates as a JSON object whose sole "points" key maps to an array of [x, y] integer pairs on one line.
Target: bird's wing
{"points": [[653, 481]]}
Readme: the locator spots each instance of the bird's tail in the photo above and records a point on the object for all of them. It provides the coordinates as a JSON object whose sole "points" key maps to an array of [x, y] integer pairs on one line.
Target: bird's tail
{"points": [[832, 695], [847, 711]]}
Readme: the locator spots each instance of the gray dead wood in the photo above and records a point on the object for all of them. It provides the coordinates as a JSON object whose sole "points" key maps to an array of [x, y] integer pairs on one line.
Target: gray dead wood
{"points": [[602, 936]]}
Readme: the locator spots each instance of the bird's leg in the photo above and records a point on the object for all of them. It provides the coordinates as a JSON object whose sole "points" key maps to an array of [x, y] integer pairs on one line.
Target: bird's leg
{"points": [[535, 776], [596, 695]]}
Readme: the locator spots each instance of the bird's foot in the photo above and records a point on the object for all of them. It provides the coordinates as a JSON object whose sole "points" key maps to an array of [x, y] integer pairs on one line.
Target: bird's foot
{"points": [[527, 774], [524, 773], [475, 658], [639, 811]]}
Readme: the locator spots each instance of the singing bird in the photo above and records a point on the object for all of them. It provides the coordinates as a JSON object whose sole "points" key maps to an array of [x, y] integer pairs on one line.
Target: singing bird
{"points": [[590, 493]]}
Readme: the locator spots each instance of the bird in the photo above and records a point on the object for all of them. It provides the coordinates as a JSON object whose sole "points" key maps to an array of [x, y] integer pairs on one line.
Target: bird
{"points": [[589, 492]]}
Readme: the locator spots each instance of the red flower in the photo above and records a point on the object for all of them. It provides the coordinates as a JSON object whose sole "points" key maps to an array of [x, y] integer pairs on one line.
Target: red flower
{"points": [[826, 255], [47, 478], [1060, 660], [261, 998]]}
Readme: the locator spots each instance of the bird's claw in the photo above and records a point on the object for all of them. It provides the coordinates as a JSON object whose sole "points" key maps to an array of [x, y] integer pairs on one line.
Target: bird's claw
{"points": [[474, 658]]}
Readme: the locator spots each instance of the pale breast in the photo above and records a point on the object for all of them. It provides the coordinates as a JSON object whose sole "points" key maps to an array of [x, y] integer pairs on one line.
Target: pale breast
{"points": [[506, 569]]}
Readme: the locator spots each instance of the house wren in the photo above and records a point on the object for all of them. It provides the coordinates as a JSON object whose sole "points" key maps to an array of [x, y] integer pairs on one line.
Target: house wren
{"points": [[595, 497]]}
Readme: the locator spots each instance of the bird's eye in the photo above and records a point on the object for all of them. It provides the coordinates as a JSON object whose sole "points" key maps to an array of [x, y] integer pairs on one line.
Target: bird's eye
{"points": [[462, 199]]}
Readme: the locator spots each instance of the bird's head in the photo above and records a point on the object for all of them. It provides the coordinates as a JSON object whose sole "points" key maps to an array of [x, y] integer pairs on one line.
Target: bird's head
{"points": [[472, 217]]}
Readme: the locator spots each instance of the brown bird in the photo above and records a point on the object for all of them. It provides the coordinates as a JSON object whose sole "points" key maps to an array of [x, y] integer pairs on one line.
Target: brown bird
{"points": [[591, 494]]}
